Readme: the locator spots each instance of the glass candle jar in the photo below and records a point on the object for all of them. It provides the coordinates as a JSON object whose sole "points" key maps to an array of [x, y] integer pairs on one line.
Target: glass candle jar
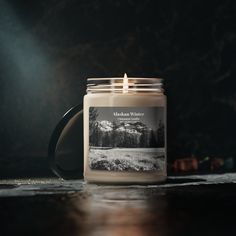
{"points": [[124, 130]]}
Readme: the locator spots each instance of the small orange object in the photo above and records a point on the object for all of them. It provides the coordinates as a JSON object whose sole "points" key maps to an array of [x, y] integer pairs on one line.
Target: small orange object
{"points": [[185, 164]]}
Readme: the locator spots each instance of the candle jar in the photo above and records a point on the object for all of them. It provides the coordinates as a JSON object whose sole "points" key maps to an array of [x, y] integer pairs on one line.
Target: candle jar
{"points": [[124, 130]]}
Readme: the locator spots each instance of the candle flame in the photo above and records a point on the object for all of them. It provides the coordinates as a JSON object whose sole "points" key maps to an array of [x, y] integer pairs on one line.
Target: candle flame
{"points": [[125, 84]]}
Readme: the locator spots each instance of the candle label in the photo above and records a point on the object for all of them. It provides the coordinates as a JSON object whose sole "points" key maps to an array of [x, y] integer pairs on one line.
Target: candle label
{"points": [[127, 138]]}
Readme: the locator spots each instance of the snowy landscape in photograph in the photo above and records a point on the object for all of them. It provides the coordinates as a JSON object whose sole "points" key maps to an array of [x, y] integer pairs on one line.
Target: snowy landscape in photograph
{"points": [[127, 159]]}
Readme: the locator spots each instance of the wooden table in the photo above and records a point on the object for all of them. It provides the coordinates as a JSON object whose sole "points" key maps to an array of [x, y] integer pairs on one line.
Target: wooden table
{"points": [[190, 205]]}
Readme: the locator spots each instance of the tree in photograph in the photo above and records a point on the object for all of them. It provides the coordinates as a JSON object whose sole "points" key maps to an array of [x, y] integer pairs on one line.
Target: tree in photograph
{"points": [[93, 126], [161, 135], [144, 138], [94, 135], [106, 139], [93, 114], [153, 142], [114, 134], [126, 138]]}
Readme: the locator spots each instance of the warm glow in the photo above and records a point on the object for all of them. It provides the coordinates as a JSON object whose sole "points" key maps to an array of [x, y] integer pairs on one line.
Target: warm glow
{"points": [[125, 84]]}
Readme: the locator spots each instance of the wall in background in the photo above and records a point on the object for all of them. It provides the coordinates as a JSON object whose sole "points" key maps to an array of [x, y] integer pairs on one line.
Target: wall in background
{"points": [[49, 48]]}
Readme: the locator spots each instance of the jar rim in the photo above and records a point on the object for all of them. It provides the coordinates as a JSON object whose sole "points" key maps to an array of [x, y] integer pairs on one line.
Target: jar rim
{"points": [[146, 79], [121, 84]]}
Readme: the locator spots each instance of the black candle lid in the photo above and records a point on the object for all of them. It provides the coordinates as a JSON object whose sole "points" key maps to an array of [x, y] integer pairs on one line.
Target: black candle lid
{"points": [[65, 150]]}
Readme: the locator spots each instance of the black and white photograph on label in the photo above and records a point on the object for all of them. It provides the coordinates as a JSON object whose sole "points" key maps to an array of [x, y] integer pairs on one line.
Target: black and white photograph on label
{"points": [[126, 139]]}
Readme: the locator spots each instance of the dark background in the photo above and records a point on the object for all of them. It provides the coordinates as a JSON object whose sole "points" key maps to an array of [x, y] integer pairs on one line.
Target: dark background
{"points": [[48, 48]]}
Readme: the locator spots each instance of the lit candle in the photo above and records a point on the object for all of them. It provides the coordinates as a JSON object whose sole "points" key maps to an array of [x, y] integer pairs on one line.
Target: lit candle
{"points": [[124, 130], [125, 84]]}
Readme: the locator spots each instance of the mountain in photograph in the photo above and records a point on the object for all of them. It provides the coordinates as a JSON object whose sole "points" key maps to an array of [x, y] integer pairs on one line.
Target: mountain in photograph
{"points": [[125, 134]]}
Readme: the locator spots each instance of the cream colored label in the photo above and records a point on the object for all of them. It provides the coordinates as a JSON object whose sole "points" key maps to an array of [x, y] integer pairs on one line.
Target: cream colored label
{"points": [[127, 138]]}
